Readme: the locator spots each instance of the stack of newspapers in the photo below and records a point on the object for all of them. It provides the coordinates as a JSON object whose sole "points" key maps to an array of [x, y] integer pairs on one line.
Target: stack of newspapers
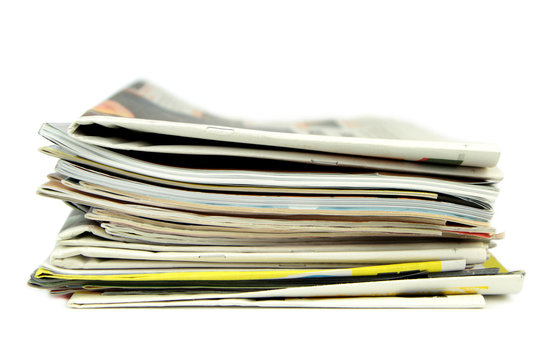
{"points": [[173, 206]]}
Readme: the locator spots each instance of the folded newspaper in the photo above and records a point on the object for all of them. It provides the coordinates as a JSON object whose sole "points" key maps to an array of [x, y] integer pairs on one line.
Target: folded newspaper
{"points": [[173, 206]]}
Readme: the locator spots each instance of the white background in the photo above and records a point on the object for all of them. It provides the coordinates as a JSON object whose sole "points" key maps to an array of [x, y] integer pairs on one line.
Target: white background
{"points": [[469, 69]]}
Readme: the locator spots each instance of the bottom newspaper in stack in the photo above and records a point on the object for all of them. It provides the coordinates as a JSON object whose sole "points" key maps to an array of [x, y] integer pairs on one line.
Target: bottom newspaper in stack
{"points": [[385, 241]]}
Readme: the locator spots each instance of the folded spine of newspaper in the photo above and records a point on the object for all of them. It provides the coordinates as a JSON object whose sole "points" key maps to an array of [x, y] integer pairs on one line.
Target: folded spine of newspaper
{"points": [[174, 206]]}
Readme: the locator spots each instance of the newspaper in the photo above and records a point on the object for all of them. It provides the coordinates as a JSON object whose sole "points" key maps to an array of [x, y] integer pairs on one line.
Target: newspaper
{"points": [[132, 287], [306, 259], [236, 157], [500, 284], [159, 208], [144, 117], [93, 221], [174, 206]]}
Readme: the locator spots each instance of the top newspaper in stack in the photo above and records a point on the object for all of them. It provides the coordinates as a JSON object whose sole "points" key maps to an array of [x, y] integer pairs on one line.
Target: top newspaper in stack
{"points": [[146, 118]]}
